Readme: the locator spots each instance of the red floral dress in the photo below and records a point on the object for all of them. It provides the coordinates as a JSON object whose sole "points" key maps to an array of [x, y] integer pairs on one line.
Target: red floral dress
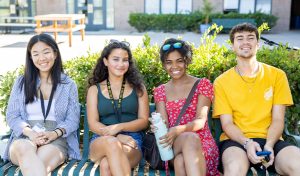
{"points": [[210, 149]]}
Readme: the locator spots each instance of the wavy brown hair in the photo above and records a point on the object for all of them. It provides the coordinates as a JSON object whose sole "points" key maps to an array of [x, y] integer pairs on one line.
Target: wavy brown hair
{"points": [[100, 72]]}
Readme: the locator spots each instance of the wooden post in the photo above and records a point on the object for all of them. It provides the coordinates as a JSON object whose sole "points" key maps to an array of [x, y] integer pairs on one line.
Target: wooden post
{"points": [[70, 31]]}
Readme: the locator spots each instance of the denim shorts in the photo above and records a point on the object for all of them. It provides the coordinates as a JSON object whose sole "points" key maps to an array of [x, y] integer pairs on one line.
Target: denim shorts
{"points": [[137, 136]]}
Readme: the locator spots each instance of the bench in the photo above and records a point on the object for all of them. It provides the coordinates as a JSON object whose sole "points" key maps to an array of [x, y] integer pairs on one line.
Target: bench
{"points": [[87, 167], [228, 23], [12, 22]]}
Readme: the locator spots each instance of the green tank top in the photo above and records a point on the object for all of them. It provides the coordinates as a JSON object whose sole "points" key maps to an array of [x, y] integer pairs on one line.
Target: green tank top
{"points": [[129, 108]]}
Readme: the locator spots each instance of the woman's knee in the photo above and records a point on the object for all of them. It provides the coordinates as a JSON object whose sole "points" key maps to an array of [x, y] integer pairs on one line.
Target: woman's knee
{"points": [[191, 140], [108, 144], [21, 147]]}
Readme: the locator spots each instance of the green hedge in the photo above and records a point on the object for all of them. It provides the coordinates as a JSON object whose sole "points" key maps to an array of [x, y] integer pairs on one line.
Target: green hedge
{"points": [[188, 22], [210, 60]]}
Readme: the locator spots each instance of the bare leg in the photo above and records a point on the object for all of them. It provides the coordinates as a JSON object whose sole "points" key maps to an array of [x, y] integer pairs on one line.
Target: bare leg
{"points": [[111, 148], [188, 144], [23, 153], [51, 156], [104, 167], [179, 165], [287, 161], [134, 155], [235, 162]]}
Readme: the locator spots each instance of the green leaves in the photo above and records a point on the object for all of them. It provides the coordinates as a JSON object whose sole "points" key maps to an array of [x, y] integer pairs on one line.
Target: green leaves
{"points": [[190, 22]]}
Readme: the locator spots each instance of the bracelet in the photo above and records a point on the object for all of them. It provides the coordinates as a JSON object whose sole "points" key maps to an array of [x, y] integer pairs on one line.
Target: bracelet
{"points": [[62, 132], [56, 132], [246, 142]]}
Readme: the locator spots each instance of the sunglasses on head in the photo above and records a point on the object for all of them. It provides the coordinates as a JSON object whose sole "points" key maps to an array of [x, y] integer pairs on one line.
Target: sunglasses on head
{"points": [[117, 41], [175, 45]]}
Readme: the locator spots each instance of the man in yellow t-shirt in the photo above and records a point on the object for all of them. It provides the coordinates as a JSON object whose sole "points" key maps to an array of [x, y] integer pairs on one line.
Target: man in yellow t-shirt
{"points": [[250, 100]]}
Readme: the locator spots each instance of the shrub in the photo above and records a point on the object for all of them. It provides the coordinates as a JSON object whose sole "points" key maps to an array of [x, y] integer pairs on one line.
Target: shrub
{"points": [[79, 69], [188, 22]]}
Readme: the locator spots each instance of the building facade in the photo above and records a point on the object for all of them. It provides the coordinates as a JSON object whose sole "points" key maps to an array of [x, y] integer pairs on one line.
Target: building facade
{"points": [[114, 14]]}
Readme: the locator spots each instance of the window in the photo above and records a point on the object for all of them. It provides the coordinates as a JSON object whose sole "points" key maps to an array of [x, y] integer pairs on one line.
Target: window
{"points": [[168, 6], [152, 6], [184, 6], [110, 14], [263, 6], [246, 6]]}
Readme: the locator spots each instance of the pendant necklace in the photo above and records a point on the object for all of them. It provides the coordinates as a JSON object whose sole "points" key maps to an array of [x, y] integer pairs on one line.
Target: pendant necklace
{"points": [[249, 84]]}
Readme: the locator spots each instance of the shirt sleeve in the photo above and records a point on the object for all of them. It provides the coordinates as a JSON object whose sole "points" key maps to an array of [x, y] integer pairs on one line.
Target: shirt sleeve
{"points": [[13, 114], [159, 94], [221, 104], [205, 88], [282, 92]]}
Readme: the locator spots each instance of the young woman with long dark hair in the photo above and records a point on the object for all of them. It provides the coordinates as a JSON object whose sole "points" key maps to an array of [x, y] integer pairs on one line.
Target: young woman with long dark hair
{"points": [[43, 111], [117, 109]]}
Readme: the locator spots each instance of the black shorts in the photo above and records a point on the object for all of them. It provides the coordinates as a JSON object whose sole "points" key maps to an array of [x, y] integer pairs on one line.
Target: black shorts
{"points": [[279, 145]]}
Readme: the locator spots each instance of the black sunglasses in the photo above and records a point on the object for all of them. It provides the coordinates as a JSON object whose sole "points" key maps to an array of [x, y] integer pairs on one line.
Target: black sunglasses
{"points": [[117, 41]]}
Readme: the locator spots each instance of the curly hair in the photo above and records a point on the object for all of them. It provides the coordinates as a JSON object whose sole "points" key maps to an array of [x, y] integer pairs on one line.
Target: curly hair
{"points": [[100, 72], [243, 27], [185, 50]]}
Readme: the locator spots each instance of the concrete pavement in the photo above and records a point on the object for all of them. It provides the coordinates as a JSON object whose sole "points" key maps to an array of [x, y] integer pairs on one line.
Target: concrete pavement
{"points": [[13, 46]]}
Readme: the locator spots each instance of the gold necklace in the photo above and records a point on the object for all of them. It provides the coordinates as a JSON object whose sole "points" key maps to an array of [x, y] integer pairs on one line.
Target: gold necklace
{"points": [[250, 84]]}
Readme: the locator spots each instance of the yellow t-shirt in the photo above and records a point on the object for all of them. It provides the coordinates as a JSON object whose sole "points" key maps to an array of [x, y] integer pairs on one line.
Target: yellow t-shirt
{"points": [[250, 100]]}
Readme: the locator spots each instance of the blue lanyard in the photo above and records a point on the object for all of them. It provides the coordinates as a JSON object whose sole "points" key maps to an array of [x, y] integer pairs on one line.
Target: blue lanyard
{"points": [[49, 103]]}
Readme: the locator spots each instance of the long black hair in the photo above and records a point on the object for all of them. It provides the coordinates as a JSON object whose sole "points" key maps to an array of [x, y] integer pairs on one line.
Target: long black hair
{"points": [[31, 72], [100, 72]]}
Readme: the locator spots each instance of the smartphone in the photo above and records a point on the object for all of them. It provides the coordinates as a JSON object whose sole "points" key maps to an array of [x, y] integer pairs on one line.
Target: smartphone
{"points": [[263, 153]]}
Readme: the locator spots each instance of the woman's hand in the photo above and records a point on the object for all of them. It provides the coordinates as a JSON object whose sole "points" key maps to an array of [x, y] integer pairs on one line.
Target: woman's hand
{"points": [[127, 140], [111, 130], [50, 136], [153, 128], [37, 138], [168, 139]]}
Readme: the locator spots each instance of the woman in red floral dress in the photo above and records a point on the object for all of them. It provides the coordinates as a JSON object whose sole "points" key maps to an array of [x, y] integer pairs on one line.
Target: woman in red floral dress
{"points": [[195, 150]]}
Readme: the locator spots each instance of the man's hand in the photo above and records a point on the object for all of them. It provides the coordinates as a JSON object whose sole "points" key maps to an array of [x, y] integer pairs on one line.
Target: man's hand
{"points": [[252, 147], [271, 156]]}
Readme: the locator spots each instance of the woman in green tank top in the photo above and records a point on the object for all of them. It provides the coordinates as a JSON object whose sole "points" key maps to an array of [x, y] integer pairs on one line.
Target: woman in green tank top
{"points": [[117, 109]]}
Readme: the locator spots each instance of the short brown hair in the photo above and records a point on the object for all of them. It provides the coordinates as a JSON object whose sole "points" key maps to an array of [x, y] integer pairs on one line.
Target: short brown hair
{"points": [[243, 27]]}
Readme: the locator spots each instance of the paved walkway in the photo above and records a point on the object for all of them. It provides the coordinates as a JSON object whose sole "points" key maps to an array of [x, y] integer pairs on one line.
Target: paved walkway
{"points": [[13, 47]]}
